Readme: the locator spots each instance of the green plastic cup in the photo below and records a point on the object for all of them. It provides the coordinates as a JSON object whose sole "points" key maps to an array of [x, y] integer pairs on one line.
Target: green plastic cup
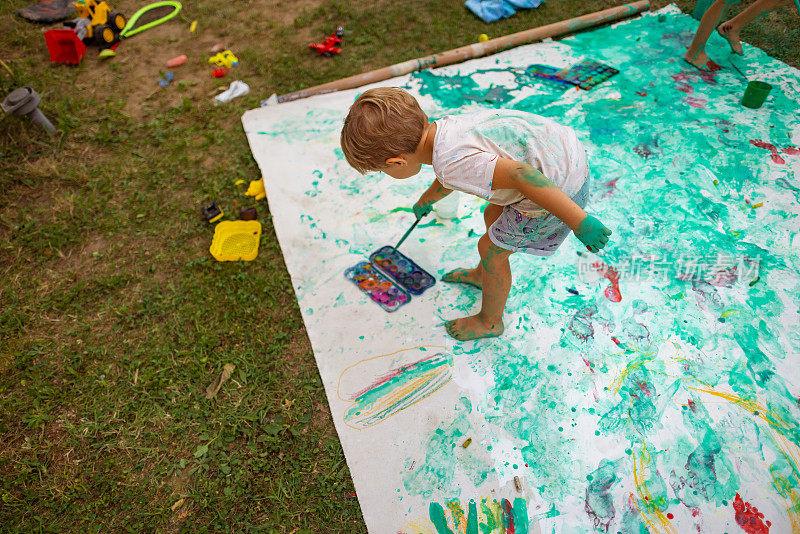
{"points": [[755, 94]]}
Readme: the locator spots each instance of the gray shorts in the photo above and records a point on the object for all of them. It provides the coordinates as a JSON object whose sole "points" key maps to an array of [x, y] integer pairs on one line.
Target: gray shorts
{"points": [[540, 236]]}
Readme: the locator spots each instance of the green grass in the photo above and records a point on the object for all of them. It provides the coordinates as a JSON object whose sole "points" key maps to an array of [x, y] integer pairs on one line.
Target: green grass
{"points": [[113, 316]]}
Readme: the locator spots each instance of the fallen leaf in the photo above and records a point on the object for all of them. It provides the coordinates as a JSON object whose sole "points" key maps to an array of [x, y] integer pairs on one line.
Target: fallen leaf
{"points": [[214, 387]]}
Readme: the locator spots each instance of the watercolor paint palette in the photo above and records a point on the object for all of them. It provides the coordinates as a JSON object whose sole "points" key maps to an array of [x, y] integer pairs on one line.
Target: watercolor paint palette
{"points": [[402, 270], [377, 286], [587, 73], [548, 74]]}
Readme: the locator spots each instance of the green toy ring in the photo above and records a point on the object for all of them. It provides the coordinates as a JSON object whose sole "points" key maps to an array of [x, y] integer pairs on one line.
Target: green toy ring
{"points": [[128, 30]]}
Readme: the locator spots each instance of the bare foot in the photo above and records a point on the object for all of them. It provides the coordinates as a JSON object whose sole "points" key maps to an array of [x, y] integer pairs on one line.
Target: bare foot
{"points": [[698, 60], [729, 32], [471, 277], [473, 327]]}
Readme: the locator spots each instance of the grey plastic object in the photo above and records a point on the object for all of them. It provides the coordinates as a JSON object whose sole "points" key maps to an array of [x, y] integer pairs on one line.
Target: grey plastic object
{"points": [[25, 101]]}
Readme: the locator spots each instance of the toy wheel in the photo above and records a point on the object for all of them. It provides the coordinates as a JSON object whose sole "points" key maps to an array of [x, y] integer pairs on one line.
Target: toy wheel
{"points": [[104, 34], [117, 21]]}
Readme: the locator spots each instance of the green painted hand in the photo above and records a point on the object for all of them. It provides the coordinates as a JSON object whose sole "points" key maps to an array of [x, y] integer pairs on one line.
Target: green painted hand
{"points": [[592, 233], [421, 209]]}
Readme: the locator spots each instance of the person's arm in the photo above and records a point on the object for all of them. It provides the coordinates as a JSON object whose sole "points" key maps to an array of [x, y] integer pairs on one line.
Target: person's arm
{"points": [[433, 194], [530, 182]]}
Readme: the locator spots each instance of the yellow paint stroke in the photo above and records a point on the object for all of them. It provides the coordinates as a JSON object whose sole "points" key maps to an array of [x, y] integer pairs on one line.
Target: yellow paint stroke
{"points": [[651, 513], [375, 358], [647, 356], [422, 379], [775, 428], [490, 519], [395, 396], [457, 513], [421, 525]]}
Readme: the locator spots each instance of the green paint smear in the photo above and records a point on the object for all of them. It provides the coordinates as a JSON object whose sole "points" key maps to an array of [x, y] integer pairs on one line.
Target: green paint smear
{"points": [[658, 135]]}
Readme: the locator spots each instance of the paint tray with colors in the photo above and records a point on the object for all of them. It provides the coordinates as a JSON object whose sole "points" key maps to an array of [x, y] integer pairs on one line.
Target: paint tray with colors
{"points": [[402, 270], [587, 73], [379, 288], [548, 74]]}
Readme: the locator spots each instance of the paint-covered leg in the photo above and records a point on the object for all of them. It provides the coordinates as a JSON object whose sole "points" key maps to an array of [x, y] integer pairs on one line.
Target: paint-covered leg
{"points": [[730, 29], [731, 34], [496, 283], [471, 277], [695, 55]]}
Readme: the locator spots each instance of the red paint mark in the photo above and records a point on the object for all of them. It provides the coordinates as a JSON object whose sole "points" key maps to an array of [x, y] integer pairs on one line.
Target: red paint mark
{"points": [[699, 103], [723, 125], [792, 150], [508, 517], [725, 277], [589, 365], [670, 516], [612, 292], [615, 340], [692, 405], [773, 151], [644, 387], [641, 93], [685, 88], [695, 512], [749, 518], [611, 185]]}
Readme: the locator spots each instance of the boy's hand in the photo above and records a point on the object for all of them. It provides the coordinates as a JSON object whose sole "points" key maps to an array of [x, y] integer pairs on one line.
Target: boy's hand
{"points": [[421, 209], [592, 233]]}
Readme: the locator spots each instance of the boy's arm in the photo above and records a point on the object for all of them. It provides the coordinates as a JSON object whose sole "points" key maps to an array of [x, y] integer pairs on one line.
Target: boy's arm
{"points": [[433, 194], [510, 174]]}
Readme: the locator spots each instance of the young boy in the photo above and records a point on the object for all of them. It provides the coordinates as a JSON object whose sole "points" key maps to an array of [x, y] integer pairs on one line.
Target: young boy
{"points": [[532, 171]]}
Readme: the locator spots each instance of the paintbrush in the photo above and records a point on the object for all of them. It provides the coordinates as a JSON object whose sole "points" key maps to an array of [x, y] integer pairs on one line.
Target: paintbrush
{"points": [[406, 234], [737, 70]]}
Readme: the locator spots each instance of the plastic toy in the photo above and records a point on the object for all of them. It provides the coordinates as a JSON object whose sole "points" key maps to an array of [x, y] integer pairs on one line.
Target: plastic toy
{"points": [[177, 61], [248, 214], [236, 240], [165, 79], [64, 46], [482, 38], [402, 270], [212, 212], [224, 59], [256, 190], [25, 103], [219, 73], [380, 289], [329, 46], [150, 16], [237, 88], [104, 25]]}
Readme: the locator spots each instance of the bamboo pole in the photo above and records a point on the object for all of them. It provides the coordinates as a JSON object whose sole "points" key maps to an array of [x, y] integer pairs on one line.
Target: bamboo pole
{"points": [[471, 51]]}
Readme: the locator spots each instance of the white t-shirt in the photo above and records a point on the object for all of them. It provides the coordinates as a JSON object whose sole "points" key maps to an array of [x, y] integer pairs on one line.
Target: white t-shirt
{"points": [[466, 148]]}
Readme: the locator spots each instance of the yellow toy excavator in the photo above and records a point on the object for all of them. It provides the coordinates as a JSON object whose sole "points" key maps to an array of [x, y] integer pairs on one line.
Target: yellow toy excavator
{"points": [[103, 25]]}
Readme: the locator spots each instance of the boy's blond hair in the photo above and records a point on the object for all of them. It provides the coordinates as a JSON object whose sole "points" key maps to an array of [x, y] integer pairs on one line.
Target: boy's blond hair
{"points": [[383, 123]]}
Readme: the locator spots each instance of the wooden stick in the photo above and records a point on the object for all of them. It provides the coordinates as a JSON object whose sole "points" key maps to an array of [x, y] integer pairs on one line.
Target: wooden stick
{"points": [[464, 53]]}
